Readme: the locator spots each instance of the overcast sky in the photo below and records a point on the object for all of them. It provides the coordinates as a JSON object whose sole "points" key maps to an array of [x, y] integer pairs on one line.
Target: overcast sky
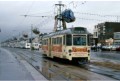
{"points": [[87, 13]]}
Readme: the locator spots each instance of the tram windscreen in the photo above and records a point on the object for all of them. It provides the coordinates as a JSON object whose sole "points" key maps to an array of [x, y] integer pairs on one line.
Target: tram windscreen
{"points": [[79, 40]]}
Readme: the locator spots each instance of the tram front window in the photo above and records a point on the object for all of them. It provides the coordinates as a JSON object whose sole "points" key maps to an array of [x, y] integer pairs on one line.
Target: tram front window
{"points": [[79, 40]]}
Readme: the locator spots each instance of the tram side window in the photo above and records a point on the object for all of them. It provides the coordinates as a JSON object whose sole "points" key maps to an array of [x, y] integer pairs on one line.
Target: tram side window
{"points": [[52, 40], [55, 40], [45, 42], [42, 42], [59, 40], [68, 40], [64, 40]]}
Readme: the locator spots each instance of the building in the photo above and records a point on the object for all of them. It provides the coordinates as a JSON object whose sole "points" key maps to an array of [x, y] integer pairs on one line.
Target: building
{"points": [[116, 38], [95, 35], [104, 32]]}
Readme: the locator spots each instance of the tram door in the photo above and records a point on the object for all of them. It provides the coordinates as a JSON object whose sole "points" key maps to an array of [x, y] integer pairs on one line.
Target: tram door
{"points": [[49, 45]]}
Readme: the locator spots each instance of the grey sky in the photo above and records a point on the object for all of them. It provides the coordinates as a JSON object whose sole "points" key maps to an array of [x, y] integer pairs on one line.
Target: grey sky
{"points": [[12, 23]]}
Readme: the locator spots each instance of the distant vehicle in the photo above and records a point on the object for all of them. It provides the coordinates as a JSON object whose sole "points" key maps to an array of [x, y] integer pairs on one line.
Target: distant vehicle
{"points": [[27, 45], [109, 48], [106, 48], [36, 46], [40, 45], [118, 48], [22, 45], [114, 47]]}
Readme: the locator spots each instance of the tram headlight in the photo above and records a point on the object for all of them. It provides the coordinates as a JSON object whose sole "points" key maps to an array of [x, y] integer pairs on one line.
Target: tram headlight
{"points": [[88, 51], [69, 50], [69, 54]]}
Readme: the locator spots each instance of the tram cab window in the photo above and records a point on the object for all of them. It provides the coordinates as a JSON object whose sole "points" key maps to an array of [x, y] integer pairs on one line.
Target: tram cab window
{"points": [[68, 40], [79, 40]]}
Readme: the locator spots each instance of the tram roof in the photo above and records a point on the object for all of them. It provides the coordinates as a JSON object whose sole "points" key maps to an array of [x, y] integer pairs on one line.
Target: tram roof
{"points": [[74, 30]]}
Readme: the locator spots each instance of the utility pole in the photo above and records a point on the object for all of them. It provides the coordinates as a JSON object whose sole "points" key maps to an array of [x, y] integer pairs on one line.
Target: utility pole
{"points": [[59, 17], [0, 41], [31, 47], [31, 36], [0, 29]]}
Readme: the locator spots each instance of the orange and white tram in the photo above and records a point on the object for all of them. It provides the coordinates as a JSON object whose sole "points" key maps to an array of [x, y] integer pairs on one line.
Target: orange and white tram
{"points": [[71, 44]]}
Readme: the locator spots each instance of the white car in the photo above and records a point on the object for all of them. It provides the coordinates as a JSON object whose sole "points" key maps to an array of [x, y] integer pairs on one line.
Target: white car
{"points": [[109, 48], [36, 46], [27, 45]]}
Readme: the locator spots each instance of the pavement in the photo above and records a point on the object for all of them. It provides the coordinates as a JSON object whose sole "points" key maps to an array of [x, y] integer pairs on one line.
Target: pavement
{"points": [[14, 69]]}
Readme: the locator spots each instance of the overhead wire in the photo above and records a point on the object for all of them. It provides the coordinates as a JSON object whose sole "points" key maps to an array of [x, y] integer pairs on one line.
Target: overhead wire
{"points": [[24, 19], [98, 14]]}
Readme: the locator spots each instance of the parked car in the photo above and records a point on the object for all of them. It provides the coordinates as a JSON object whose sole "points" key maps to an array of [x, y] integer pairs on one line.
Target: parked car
{"points": [[118, 48], [105, 48], [27, 45], [109, 48], [93, 47], [114, 47], [36, 46]]}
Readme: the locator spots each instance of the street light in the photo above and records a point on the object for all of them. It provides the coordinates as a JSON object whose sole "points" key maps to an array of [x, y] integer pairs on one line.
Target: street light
{"points": [[31, 37], [0, 41]]}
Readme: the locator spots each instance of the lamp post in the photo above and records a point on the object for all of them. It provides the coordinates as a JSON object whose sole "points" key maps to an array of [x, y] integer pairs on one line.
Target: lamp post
{"points": [[0, 41], [31, 46], [31, 37]]}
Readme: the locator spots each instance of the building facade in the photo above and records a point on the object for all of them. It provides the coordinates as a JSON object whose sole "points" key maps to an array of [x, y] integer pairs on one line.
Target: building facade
{"points": [[104, 32], [116, 38]]}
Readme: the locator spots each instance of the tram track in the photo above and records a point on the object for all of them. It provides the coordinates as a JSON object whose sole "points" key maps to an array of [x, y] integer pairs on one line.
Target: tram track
{"points": [[63, 69], [55, 70], [28, 59], [61, 72]]}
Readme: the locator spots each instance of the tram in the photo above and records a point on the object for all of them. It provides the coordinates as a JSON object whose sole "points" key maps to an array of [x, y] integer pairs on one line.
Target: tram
{"points": [[71, 44]]}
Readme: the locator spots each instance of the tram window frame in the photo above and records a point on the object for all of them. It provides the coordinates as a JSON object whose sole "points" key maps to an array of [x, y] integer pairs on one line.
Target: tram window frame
{"points": [[60, 40], [69, 40], [64, 40], [57, 40], [52, 40], [42, 42], [46, 42]]}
